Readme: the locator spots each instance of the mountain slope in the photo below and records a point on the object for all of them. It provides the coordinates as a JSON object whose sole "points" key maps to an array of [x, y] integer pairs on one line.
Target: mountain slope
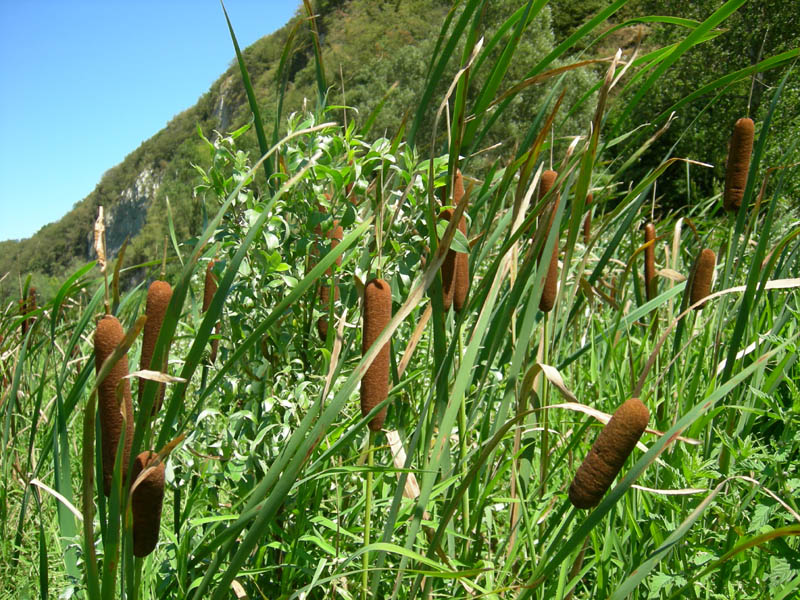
{"points": [[367, 46]]}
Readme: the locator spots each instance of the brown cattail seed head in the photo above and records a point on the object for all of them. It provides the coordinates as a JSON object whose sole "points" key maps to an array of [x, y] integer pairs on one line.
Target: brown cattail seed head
{"points": [[703, 276], [741, 146], [210, 287], [158, 296], [458, 188], [587, 221], [650, 262], [448, 269], [461, 284], [335, 235], [146, 502], [548, 299], [609, 452], [548, 179], [375, 383], [107, 337], [209, 290], [27, 306]]}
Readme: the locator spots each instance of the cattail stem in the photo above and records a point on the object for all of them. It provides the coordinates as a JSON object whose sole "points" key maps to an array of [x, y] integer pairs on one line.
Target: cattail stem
{"points": [[138, 562], [367, 515], [545, 438], [462, 428], [650, 262]]}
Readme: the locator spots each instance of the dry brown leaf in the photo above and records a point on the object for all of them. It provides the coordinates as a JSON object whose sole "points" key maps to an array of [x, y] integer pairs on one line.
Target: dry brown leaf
{"points": [[238, 590], [673, 275], [411, 489], [604, 418], [155, 376], [681, 492]]}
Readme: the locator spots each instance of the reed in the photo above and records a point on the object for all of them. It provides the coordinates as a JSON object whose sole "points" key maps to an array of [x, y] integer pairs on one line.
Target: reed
{"points": [[107, 337], [739, 150], [158, 296], [146, 502], [609, 452], [375, 382]]}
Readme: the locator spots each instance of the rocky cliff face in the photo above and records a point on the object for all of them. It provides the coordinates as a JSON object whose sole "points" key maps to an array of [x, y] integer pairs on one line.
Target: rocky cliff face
{"points": [[127, 216], [224, 108]]}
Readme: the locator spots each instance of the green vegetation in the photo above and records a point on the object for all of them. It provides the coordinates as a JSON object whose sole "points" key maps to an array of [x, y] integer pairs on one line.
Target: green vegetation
{"points": [[274, 484]]}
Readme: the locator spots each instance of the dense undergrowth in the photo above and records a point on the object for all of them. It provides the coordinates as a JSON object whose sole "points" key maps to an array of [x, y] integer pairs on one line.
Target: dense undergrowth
{"points": [[274, 486]]}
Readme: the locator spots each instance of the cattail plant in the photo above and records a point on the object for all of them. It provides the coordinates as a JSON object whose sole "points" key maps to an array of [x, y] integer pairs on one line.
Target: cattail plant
{"points": [[741, 145], [702, 276], [158, 296], [375, 383], [650, 262], [209, 290], [461, 283], [609, 452], [335, 235], [548, 299], [587, 221], [146, 501], [27, 306], [107, 337], [448, 269], [455, 268]]}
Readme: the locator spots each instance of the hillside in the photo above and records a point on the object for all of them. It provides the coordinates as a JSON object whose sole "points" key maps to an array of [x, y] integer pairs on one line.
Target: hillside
{"points": [[368, 47]]}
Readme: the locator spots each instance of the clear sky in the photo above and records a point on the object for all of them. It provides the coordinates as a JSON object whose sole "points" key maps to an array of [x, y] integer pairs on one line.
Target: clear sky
{"points": [[84, 82]]}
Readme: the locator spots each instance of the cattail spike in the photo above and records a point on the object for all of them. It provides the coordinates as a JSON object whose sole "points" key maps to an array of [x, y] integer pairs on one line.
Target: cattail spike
{"points": [[209, 290], [548, 299], [375, 383], [587, 221], [461, 284], [703, 276], [146, 502], [158, 296], [609, 452], [741, 145], [27, 306], [107, 337], [650, 282], [448, 269], [335, 235], [550, 290], [548, 179]]}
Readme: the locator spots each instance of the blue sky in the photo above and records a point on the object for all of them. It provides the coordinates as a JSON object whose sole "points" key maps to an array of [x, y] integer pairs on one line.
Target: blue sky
{"points": [[84, 82]]}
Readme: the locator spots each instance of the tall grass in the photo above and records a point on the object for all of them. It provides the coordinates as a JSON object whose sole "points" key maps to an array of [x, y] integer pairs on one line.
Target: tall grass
{"points": [[495, 406]]}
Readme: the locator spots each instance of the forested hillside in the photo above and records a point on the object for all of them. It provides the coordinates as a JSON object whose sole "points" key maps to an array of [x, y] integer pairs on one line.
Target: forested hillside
{"points": [[376, 54]]}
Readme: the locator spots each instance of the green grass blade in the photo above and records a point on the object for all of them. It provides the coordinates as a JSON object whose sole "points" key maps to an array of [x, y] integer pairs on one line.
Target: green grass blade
{"points": [[251, 98]]}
